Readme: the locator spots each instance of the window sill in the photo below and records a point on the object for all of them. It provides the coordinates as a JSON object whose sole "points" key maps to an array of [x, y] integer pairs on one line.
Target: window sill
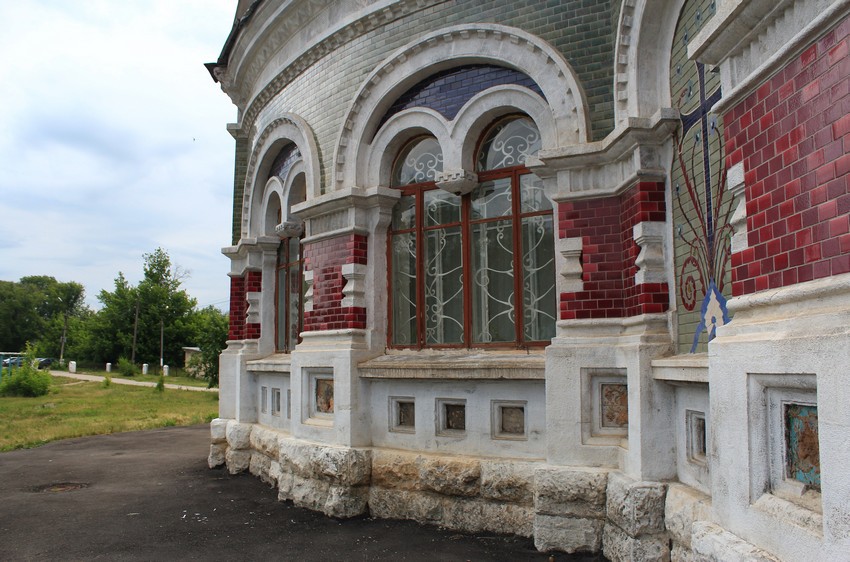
{"points": [[689, 368], [277, 363], [457, 365], [806, 517]]}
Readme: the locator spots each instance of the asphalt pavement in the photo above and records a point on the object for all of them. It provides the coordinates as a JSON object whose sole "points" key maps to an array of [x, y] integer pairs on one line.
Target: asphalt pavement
{"points": [[149, 495]]}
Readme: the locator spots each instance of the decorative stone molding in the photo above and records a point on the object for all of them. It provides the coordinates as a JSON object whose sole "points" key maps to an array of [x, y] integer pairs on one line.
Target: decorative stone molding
{"points": [[621, 60], [738, 221], [286, 23], [650, 261], [632, 152], [481, 43], [570, 249], [354, 291], [308, 294], [289, 229], [248, 254], [253, 312], [342, 212], [288, 128], [457, 182], [749, 39]]}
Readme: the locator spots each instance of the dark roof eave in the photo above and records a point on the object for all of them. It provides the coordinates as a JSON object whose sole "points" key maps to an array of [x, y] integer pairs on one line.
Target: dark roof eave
{"points": [[238, 24]]}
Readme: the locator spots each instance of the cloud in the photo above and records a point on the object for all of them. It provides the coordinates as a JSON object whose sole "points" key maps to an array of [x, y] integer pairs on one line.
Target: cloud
{"points": [[114, 141]]}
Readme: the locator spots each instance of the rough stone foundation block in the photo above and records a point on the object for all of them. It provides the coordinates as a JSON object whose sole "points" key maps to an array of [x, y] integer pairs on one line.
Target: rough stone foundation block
{"points": [[395, 470], [680, 553], [403, 504], [340, 465], [238, 460], [265, 441], [508, 482], [711, 543], [217, 457], [261, 467], [567, 534], [319, 495], [635, 507], [570, 492], [239, 434], [218, 430], [682, 507], [450, 477], [477, 515], [618, 546]]}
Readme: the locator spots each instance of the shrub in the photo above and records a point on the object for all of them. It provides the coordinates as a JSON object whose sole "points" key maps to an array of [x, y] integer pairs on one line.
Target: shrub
{"points": [[107, 381], [160, 384], [127, 368], [26, 380]]}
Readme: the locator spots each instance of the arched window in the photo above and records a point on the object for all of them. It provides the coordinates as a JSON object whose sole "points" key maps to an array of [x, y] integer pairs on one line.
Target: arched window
{"points": [[289, 277], [475, 270]]}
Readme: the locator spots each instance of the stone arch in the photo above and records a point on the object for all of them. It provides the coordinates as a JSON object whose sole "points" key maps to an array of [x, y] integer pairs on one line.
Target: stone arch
{"points": [[454, 46], [375, 162], [285, 129], [485, 108], [271, 207], [642, 57]]}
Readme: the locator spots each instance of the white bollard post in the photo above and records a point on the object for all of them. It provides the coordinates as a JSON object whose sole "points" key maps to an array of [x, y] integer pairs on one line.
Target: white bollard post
{"points": [[165, 370], [109, 367], [144, 368], [72, 367]]}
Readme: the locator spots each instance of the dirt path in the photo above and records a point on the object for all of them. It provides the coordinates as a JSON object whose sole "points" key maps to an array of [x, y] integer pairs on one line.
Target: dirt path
{"points": [[96, 378]]}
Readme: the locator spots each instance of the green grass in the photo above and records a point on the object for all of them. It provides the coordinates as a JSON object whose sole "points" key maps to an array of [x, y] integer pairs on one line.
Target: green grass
{"points": [[177, 379], [76, 409]]}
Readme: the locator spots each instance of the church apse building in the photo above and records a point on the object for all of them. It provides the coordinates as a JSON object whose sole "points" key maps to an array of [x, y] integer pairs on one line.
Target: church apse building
{"points": [[574, 270]]}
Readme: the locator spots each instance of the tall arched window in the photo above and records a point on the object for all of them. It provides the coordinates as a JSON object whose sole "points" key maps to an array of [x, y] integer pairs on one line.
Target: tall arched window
{"points": [[475, 270], [289, 277]]}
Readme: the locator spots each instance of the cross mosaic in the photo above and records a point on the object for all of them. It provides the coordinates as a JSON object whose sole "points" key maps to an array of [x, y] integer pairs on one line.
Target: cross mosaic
{"points": [[702, 205]]}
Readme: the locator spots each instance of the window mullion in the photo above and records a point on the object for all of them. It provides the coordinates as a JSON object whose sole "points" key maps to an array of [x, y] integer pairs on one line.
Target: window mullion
{"points": [[421, 313], [517, 261], [466, 256]]}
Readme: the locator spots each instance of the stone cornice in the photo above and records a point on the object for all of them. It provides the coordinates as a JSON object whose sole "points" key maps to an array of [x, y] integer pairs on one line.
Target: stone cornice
{"points": [[750, 39], [605, 168], [256, 48]]}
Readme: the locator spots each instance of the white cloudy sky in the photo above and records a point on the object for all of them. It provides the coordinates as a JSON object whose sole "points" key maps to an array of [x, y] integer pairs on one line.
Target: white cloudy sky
{"points": [[113, 141]]}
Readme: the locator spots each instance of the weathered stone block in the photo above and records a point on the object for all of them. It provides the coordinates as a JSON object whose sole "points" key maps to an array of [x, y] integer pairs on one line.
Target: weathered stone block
{"points": [[401, 504], [508, 481], [567, 534], [618, 546], [345, 501], [477, 515], [570, 492], [237, 460], [239, 434], [395, 470], [682, 507], [450, 477], [218, 430], [711, 543], [217, 457], [265, 441], [260, 466], [345, 466], [680, 553], [635, 507]]}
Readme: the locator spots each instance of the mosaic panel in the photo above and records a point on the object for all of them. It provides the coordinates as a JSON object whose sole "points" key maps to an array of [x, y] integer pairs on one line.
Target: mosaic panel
{"points": [[614, 405], [406, 414], [325, 396], [455, 416], [702, 206], [512, 420], [802, 446]]}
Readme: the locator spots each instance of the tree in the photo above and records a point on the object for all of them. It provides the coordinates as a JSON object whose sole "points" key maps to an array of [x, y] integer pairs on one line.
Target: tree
{"points": [[209, 326], [146, 320]]}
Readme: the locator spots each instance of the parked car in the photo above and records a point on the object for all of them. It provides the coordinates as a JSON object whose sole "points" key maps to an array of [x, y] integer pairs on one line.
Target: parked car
{"points": [[13, 361], [44, 362]]}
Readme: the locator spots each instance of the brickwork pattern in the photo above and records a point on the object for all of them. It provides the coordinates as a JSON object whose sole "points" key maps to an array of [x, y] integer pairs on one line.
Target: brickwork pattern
{"points": [[238, 309], [609, 253], [447, 91], [240, 328], [580, 29], [793, 136], [326, 258], [240, 169]]}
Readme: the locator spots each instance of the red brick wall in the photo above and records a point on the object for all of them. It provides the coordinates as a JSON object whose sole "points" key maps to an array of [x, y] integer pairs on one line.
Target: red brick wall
{"points": [[793, 136], [609, 252], [325, 258], [240, 329]]}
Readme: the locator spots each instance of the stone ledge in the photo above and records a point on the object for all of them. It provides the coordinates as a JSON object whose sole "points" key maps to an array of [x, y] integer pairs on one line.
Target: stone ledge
{"points": [[681, 368], [277, 363], [465, 365]]}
